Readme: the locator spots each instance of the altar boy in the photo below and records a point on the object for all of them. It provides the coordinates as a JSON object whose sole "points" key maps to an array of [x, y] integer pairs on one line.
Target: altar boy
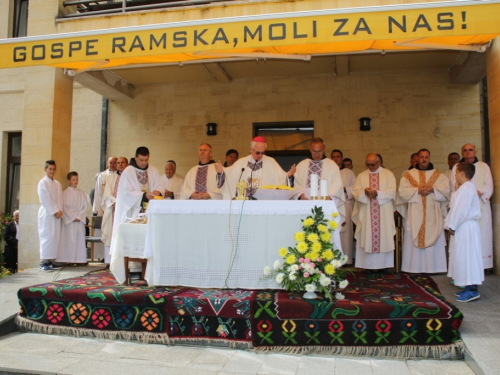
{"points": [[72, 247], [466, 262]]}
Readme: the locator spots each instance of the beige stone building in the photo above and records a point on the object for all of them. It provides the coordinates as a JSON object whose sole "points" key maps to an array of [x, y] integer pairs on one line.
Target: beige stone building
{"points": [[115, 84]]}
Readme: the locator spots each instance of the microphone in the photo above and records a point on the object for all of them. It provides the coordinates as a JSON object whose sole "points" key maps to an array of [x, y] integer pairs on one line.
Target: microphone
{"points": [[239, 179], [251, 183]]}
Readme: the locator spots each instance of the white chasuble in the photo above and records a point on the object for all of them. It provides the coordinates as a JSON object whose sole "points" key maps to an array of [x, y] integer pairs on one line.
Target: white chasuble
{"points": [[484, 183], [374, 219], [346, 233], [326, 169], [49, 228], [265, 172], [72, 247], [108, 202], [424, 243], [201, 179], [173, 184], [466, 258]]}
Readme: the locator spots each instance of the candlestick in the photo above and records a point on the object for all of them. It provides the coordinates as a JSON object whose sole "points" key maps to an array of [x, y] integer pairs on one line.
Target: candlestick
{"points": [[314, 185], [324, 188]]}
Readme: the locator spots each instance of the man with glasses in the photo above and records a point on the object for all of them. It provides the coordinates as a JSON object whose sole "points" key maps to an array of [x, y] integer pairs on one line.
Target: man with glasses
{"points": [[423, 195], [484, 186], [375, 194], [257, 169]]}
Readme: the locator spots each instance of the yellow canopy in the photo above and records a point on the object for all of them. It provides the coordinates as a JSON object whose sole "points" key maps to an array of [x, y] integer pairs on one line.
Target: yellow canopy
{"points": [[464, 25]]}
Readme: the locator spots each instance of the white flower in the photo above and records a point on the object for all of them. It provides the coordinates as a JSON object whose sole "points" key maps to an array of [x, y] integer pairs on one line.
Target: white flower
{"points": [[343, 284], [339, 296], [325, 281], [310, 288], [277, 265], [294, 267], [343, 259], [279, 278], [267, 271], [336, 264], [292, 276], [308, 267]]}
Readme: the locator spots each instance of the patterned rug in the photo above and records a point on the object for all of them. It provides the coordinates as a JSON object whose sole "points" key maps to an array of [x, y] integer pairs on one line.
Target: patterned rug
{"points": [[395, 315]]}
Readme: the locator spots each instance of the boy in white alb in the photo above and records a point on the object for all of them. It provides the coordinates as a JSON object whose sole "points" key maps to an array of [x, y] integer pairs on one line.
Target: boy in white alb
{"points": [[466, 261], [72, 247], [49, 217]]}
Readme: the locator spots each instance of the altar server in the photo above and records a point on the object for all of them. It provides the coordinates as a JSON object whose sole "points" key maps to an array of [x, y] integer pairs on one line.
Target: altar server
{"points": [[484, 187], [108, 204], [257, 169], [423, 195], [200, 182], [375, 194], [466, 258], [139, 183], [49, 217], [72, 247], [172, 182]]}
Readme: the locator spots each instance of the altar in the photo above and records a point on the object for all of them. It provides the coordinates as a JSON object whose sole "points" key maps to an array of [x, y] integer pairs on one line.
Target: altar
{"points": [[213, 244]]}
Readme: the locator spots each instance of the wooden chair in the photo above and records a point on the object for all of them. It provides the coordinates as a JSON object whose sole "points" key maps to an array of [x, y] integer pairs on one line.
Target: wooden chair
{"points": [[143, 262], [95, 223]]}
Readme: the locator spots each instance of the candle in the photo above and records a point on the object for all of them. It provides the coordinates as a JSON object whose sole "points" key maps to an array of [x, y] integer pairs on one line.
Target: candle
{"points": [[314, 185], [324, 188]]}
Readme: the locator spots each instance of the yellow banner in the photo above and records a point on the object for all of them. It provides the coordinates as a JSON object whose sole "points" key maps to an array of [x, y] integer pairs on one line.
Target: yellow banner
{"points": [[302, 28]]}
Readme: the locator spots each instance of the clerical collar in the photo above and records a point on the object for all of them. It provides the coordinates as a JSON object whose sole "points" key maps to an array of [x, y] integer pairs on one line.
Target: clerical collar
{"points": [[475, 160], [203, 164], [252, 160], [377, 171], [134, 164], [118, 172], [431, 167]]}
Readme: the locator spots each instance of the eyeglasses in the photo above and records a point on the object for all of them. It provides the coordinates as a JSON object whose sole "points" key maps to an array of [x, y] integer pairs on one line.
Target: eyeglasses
{"points": [[259, 152], [317, 152], [371, 164], [468, 149]]}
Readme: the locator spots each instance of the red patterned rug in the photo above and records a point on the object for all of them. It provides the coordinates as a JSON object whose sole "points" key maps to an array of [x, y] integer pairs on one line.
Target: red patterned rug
{"points": [[395, 315]]}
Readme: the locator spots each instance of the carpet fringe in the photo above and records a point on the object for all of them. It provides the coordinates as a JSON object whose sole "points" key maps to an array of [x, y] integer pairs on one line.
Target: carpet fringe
{"points": [[144, 337], [453, 351]]}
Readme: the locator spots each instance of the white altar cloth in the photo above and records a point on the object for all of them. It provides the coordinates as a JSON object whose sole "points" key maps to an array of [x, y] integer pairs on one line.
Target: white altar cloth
{"points": [[128, 242], [218, 244]]}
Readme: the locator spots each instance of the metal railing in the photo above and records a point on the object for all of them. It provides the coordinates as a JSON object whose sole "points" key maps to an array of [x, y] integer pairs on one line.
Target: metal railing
{"points": [[95, 7]]}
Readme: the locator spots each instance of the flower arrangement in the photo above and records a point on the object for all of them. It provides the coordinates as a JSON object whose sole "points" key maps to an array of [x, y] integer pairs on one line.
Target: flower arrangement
{"points": [[4, 272], [313, 264]]}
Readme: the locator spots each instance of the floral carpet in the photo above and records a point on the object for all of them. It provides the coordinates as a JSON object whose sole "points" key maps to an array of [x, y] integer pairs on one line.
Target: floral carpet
{"points": [[395, 315]]}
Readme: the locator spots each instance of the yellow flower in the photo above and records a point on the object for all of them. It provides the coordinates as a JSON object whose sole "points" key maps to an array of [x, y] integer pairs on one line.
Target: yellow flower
{"points": [[326, 237], [322, 228], [333, 224], [302, 247], [290, 259], [283, 252], [329, 269], [299, 236], [316, 247], [313, 237], [308, 222], [335, 214], [313, 255], [327, 255]]}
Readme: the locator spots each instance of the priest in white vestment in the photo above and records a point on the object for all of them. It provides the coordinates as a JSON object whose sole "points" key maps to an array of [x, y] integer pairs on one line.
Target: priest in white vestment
{"points": [[484, 187], [139, 183], [108, 204], [423, 195], [257, 169], [466, 258], [172, 182], [49, 217], [453, 158], [375, 194], [99, 185], [72, 247], [200, 182], [348, 180]]}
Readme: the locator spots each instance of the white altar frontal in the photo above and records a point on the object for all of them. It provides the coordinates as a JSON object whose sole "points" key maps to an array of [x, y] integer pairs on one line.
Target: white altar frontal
{"points": [[221, 244]]}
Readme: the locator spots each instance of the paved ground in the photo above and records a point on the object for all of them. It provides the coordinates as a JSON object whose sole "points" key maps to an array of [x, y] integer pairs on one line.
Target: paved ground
{"points": [[40, 354]]}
